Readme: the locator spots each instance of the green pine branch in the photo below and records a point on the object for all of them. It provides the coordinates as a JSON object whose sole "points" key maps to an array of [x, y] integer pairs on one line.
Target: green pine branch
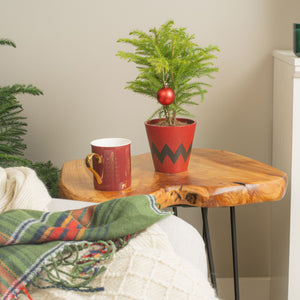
{"points": [[12, 91], [6, 42], [12, 123]]}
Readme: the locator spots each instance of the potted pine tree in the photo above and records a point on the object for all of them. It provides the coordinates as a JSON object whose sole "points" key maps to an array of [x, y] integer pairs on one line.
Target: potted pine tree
{"points": [[170, 64]]}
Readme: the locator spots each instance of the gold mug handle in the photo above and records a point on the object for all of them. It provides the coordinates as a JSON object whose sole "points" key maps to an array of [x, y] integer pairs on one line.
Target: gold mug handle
{"points": [[88, 162]]}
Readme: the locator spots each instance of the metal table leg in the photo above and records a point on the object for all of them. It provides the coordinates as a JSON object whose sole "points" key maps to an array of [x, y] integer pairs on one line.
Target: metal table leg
{"points": [[207, 242], [206, 237], [175, 210], [234, 254]]}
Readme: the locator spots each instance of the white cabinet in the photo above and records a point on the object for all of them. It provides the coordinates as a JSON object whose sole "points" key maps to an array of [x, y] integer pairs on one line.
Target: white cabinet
{"points": [[285, 218]]}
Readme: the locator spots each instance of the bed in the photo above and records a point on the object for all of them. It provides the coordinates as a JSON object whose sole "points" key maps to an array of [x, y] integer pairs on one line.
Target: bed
{"points": [[165, 260]]}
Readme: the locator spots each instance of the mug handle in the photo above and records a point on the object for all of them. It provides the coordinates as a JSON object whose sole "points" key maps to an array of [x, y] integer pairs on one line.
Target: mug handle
{"points": [[88, 162]]}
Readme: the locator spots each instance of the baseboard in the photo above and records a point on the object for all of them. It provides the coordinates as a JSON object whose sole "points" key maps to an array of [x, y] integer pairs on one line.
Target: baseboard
{"points": [[251, 288]]}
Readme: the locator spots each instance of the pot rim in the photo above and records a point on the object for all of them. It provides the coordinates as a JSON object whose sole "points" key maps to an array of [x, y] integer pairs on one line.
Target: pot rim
{"points": [[153, 122]]}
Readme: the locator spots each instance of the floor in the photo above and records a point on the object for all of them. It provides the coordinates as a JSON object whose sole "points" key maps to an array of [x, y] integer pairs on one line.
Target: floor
{"points": [[250, 288]]}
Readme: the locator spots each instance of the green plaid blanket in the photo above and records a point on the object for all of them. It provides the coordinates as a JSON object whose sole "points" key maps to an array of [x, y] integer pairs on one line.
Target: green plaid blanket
{"points": [[34, 241]]}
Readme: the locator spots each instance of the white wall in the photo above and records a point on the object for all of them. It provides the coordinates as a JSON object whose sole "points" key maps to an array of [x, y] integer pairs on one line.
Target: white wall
{"points": [[67, 49]]}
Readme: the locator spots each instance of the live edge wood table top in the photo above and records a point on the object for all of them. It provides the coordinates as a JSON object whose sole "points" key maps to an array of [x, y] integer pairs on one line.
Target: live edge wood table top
{"points": [[215, 178]]}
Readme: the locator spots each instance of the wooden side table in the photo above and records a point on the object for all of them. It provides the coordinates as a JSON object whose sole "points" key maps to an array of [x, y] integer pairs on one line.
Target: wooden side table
{"points": [[215, 178]]}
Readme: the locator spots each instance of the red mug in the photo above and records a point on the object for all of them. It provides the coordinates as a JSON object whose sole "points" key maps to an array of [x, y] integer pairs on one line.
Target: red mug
{"points": [[111, 164]]}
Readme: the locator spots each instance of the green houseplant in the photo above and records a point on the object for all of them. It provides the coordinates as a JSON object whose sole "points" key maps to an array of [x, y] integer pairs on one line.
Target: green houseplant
{"points": [[170, 63], [13, 128]]}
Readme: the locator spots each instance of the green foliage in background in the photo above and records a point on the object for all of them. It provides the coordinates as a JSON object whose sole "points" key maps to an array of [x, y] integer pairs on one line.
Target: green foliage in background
{"points": [[169, 56], [12, 130]]}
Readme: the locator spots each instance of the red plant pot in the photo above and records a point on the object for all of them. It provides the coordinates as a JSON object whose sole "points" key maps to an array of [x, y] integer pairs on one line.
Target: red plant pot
{"points": [[170, 145]]}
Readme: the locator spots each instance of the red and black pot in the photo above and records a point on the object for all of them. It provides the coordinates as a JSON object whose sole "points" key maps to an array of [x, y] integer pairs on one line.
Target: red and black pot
{"points": [[171, 145]]}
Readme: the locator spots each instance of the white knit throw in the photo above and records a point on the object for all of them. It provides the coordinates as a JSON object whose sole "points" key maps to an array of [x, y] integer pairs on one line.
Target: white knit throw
{"points": [[21, 188]]}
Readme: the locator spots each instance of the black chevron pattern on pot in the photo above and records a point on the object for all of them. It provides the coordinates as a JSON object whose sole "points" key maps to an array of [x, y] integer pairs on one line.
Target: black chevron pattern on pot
{"points": [[166, 151]]}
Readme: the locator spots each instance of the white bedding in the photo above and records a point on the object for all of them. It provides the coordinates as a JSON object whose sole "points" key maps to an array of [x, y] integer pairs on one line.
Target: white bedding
{"points": [[166, 261], [21, 188]]}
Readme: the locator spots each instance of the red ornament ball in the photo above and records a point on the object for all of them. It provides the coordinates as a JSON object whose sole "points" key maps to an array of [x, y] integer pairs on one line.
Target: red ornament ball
{"points": [[165, 96]]}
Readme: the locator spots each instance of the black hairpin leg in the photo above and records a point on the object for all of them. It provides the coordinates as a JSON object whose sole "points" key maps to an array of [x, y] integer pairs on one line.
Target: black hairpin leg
{"points": [[175, 210], [207, 242], [234, 254]]}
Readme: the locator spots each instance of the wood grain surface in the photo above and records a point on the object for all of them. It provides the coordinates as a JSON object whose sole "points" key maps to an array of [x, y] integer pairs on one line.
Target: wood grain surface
{"points": [[215, 178]]}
